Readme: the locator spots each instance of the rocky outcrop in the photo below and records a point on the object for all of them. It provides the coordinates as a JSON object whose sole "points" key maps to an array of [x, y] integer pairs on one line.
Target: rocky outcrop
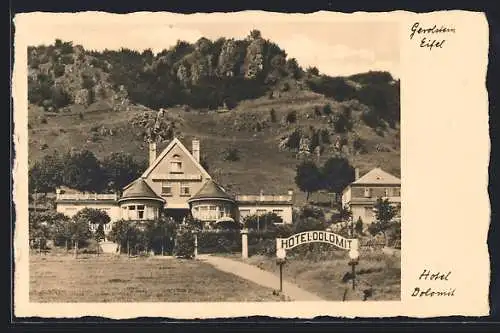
{"points": [[254, 59], [227, 58]]}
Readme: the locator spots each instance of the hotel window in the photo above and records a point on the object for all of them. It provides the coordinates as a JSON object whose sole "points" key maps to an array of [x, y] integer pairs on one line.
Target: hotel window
{"points": [[278, 211], [368, 192], [176, 164], [185, 190], [244, 213], [131, 213], [166, 189], [396, 192], [140, 212], [261, 211], [213, 212]]}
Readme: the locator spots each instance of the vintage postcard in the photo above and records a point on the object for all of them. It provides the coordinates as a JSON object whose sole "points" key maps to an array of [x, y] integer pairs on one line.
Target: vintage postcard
{"points": [[251, 163]]}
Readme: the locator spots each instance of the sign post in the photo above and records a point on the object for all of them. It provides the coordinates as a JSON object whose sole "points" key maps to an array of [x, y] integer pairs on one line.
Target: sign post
{"points": [[353, 255], [281, 258]]}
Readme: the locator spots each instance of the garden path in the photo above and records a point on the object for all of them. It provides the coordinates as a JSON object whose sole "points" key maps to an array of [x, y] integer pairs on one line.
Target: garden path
{"points": [[259, 276]]}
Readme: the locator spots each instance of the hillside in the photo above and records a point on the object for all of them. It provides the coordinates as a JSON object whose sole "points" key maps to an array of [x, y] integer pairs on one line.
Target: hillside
{"points": [[249, 98]]}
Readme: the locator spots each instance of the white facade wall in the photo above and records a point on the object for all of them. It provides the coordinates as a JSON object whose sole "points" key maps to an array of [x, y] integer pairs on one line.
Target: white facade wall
{"points": [[70, 209], [284, 211]]}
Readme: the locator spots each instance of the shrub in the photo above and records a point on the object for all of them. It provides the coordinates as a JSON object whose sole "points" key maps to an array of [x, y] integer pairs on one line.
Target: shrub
{"points": [[286, 86], [226, 241], [231, 154], [272, 115], [291, 117], [359, 145], [184, 247], [262, 222], [343, 122], [327, 109], [294, 139], [325, 136], [370, 118], [311, 211]]}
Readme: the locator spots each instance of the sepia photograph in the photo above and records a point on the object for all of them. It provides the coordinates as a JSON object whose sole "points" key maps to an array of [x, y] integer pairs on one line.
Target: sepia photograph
{"points": [[214, 161]]}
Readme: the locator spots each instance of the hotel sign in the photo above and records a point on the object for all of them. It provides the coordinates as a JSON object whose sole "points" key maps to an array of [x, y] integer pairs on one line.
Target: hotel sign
{"points": [[316, 236]]}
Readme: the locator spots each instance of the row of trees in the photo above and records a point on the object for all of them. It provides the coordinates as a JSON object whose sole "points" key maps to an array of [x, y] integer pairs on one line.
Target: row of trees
{"points": [[334, 175], [65, 231], [87, 226], [82, 170]]}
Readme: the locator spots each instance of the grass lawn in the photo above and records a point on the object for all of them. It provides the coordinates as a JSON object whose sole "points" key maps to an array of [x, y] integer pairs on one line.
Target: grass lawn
{"points": [[380, 273], [120, 279]]}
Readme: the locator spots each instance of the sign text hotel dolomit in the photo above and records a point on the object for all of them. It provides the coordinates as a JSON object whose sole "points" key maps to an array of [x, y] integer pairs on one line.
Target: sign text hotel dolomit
{"points": [[316, 236]]}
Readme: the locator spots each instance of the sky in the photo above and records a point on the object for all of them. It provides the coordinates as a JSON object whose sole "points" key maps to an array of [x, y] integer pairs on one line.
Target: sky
{"points": [[336, 46]]}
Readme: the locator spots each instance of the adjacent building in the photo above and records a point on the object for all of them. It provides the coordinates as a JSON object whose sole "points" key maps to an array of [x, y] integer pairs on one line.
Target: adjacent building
{"points": [[175, 184], [362, 194]]}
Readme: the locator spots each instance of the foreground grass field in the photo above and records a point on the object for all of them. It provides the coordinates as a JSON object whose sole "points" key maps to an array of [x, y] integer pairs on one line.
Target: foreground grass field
{"points": [[121, 279], [377, 273]]}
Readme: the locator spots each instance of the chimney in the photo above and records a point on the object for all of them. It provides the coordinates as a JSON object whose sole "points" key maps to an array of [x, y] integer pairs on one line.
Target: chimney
{"points": [[261, 195], [290, 192], [356, 173], [152, 152], [196, 150]]}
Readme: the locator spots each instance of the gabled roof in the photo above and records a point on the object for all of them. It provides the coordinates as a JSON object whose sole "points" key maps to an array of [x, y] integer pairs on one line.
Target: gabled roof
{"points": [[139, 189], [378, 176], [172, 144], [211, 190]]}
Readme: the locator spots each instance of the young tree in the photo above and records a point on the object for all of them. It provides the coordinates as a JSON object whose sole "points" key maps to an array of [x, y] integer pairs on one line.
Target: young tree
{"points": [[337, 173], [62, 232], [39, 230], [308, 178], [359, 226], [327, 109], [80, 232], [99, 235], [94, 217], [385, 212], [125, 233]]}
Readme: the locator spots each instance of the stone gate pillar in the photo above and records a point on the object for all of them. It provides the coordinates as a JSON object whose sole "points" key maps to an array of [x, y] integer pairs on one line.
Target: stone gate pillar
{"points": [[244, 243], [195, 244]]}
